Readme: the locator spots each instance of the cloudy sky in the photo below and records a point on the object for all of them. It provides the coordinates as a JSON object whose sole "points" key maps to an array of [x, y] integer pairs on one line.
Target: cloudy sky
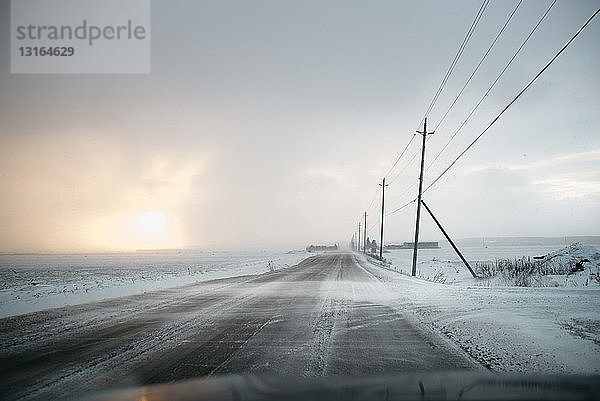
{"points": [[269, 124]]}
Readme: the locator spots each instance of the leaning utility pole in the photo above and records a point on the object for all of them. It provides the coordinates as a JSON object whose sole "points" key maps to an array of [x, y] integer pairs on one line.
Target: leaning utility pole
{"points": [[382, 185], [365, 235], [449, 239], [416, 244]]}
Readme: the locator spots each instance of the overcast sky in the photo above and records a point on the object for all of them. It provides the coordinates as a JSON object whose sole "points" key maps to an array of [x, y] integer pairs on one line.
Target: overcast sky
{"points": [[269, 124]]}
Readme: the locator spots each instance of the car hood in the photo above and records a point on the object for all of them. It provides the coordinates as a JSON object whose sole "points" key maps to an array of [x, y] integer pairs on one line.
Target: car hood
{"points": [[454, 385]]}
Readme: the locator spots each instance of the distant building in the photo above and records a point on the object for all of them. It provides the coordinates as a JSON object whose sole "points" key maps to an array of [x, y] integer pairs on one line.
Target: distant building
{"points": [[411, 245], [318, 248]]}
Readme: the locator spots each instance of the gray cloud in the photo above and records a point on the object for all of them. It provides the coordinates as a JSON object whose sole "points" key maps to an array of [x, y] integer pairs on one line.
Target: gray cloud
{"points": [[271, 123]]}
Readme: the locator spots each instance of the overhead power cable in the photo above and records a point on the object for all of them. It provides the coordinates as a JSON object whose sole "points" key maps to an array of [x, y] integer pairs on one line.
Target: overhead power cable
{"points": [[514, 99], [411, 186], [401, 154], [373, 199], [491, 86], [443, 83], [478, 65], [407, 165], [400, 208], [457, 56]]}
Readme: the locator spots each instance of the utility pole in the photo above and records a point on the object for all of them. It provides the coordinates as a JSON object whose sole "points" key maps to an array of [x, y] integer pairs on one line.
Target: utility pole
{"points": [[382, 185], [358, 244], [416, 244], [365, 235]]}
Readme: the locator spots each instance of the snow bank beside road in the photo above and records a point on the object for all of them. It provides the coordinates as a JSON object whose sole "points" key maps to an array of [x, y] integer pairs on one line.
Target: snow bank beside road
{"points": [[508, 329], [30, 283], [568, 257], [557, 268], [580, 262]]}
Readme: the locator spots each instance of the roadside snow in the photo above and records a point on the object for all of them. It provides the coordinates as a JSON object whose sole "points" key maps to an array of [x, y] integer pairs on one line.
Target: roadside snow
{"points": [[31, 283], [450, 270], [507, 329], [566, 259], [572, 254]]}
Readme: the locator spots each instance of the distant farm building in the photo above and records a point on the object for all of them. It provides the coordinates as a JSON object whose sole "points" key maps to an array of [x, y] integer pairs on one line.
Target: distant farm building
{"points": [[411, 245], [319, 248]]}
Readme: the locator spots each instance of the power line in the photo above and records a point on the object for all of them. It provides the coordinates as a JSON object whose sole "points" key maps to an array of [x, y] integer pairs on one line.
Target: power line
{"points": [[436, 96], [445, 79], [457, 56], [411, 186], [491, 86], [407, 165], [401, 154], [401, 207], [478, 65], [373, 199], [515, 98]]}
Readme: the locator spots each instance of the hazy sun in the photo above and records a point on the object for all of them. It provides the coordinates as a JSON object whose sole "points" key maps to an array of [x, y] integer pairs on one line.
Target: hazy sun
{"points": [[151, 224]]}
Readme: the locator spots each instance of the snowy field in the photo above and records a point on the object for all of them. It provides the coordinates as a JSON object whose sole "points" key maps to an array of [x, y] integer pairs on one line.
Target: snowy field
{"points": [[550, 328], [34, 282], [443, 265]]}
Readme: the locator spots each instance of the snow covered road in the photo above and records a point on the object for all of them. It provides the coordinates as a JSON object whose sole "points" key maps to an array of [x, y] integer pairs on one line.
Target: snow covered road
{"points": [[325, 316]]}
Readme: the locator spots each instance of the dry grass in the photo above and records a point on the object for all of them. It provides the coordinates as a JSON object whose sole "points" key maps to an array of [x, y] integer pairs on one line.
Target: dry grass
{"points": [[519, 271]]}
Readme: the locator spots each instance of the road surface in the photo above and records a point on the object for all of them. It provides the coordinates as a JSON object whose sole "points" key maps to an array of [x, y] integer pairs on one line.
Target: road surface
{"points": [[325, 316]]}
